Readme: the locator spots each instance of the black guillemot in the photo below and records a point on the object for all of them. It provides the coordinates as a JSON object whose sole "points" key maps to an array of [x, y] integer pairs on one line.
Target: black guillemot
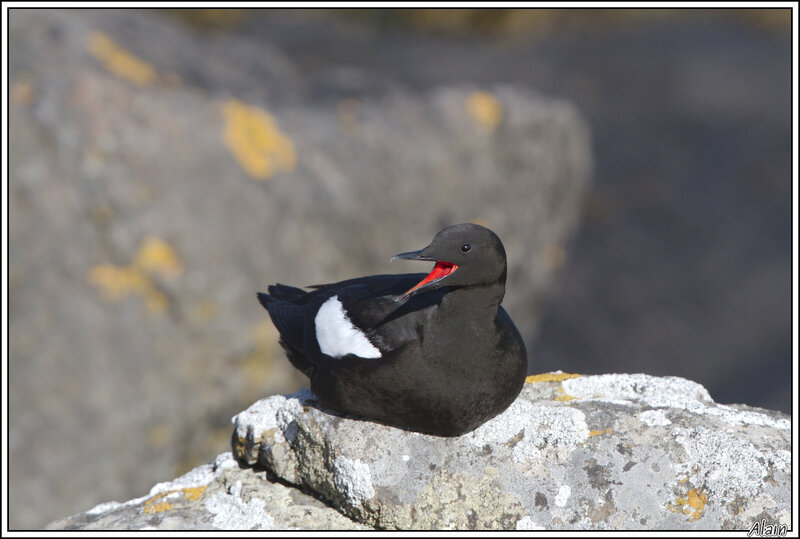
{"points": [[430, 353]]}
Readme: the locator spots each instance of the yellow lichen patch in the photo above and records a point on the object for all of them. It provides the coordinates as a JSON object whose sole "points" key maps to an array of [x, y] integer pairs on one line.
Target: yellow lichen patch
{"points": [[599, 432], [692, 505], [253, 137], [158, 507], [194, 493], [697, 501], [156, 256], [485, 110], [118, 61], [550, 377], [563, 397], [117, 282], [154, 506]]}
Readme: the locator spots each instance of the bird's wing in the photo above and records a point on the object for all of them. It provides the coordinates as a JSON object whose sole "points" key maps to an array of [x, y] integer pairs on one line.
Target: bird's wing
{"points": [[370, 301]]}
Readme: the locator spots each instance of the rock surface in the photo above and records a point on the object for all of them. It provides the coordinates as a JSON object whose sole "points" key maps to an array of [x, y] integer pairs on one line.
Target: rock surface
{"points": [[572, 452], [160, 178], [219, 495]]}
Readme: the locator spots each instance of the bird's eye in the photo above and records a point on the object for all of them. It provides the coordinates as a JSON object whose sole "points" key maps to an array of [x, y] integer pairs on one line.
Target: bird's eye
{"points": [[465, 247]]}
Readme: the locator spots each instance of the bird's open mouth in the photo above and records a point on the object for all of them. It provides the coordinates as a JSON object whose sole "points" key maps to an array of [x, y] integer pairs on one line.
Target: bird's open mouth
{"points": [[439, 272]]}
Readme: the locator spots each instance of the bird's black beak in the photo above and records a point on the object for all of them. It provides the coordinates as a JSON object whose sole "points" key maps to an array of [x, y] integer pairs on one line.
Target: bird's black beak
{"points": [[439, 271], [411, 255]]}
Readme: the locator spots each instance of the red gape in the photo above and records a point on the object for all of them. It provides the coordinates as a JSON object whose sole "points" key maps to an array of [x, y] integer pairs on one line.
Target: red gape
{"points": [[441, 269]]}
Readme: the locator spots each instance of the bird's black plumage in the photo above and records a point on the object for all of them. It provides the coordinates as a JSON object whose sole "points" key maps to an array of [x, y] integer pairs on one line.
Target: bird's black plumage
{"points": [[431, 353]]}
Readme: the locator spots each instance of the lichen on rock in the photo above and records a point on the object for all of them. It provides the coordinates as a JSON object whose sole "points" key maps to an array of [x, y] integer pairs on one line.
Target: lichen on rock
{"points": [[618, 454], [626, 452]]}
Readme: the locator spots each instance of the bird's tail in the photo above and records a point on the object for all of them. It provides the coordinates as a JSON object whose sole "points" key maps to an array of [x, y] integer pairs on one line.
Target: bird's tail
{"points": [[281, 292]]}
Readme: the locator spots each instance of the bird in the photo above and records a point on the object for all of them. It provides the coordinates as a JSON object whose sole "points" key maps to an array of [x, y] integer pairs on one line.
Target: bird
{"points": [[432, 353]]}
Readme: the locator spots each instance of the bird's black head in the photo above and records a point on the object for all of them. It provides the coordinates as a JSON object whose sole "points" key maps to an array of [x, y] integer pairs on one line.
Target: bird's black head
{"points": [[466, 255]]}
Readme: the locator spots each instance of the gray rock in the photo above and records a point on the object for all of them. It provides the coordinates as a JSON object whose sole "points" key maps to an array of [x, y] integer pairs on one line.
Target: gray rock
{"points": [[592, 452], [146, 212], [220, 495]]}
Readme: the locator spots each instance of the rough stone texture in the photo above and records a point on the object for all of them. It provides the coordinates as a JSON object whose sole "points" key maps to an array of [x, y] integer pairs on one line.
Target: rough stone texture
{"points": [[688, 224], [592, 452], [159, 178], [220, 495], [601, 452]]}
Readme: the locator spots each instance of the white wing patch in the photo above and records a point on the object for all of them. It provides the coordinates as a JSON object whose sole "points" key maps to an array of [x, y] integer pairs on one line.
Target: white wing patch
{"points": [[336, 334]]}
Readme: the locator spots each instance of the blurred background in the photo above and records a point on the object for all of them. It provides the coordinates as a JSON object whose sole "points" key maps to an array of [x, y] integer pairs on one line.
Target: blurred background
{"points": [[167, 164]]}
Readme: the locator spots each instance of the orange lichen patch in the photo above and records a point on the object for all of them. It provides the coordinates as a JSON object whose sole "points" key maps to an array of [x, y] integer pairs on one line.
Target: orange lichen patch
{"points": [[156, 256], [194, 493], [550, 377], [599, 432], [252, 135], [156, 504], [485, 110], [692, 505], [118, 61]]}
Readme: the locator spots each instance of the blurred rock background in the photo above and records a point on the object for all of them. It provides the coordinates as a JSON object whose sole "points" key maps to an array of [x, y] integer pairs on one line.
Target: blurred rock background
{"points": [[165, 165]]}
